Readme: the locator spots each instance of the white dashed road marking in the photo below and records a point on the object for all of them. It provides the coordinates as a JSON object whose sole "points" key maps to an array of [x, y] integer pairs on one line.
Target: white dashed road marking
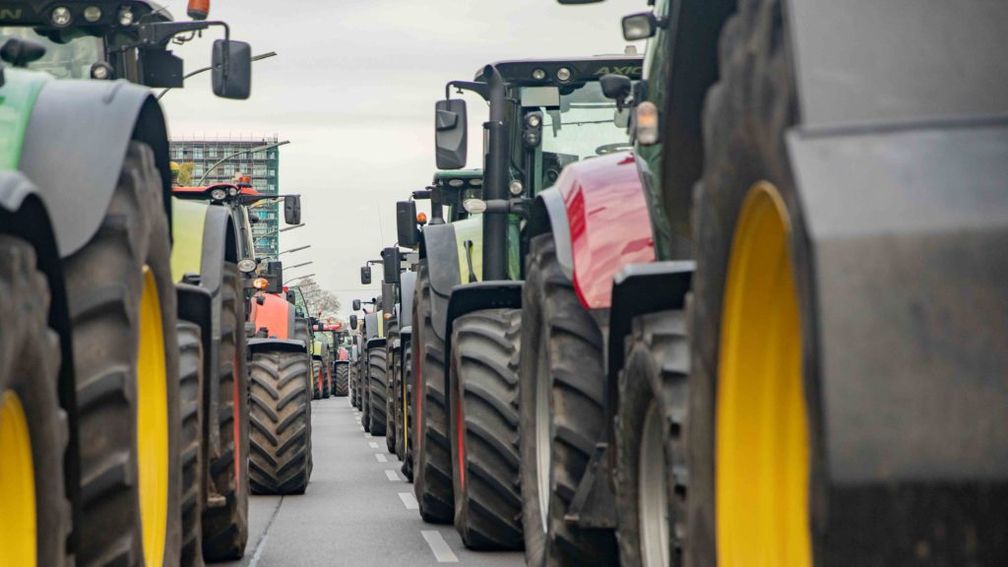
{"points": [[392, 475], [439, 547], [409, 501], [373, 444], [381, 458]]}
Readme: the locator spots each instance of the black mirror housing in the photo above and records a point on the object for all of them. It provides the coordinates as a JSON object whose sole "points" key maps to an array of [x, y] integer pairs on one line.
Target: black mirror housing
{"points": [[616, 87], [353, 320], [161, 69], [365, 275], [406, 224], [232, 75], [274, 277], [292, 209], [356, 305], [391, 260], [450, 133], [639, 26]]}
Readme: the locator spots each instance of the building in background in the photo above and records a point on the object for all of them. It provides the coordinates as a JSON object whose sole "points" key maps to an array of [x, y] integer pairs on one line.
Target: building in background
{"points": [[262, 165]]}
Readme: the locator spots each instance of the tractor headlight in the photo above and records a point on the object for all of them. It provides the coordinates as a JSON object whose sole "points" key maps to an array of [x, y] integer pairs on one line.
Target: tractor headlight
{"points": [[101, 71], [538, 74], [563, 74], [533, 120], [516, 187], [247, 266], [218, 194], [260, 283], [456, 182], [474, 206], [92, 14], [60, 16], [232, 191], [125, 16]]}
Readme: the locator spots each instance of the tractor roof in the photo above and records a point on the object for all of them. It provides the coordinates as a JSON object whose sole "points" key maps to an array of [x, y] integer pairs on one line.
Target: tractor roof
{"points": [[38, 13], [519, 71], [459, 179]]}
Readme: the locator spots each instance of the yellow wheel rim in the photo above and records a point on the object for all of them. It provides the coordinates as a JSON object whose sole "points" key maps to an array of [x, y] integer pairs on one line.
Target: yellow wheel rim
{"points": [[761, 446], [18, 538], [152, 424]]}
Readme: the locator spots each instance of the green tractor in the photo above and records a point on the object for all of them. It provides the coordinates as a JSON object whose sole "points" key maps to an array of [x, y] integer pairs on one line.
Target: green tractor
{"points": [[797, 376], [106, 434], [372, 368], [544, 115]]}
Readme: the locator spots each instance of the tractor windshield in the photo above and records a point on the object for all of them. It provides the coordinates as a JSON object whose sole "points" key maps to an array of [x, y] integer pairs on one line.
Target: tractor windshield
{"points": [[69, 60], [584, 126]]}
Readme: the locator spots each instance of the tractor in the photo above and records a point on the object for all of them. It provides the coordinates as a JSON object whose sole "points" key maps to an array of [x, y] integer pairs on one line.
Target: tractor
{"points": [[544, 115], [214, 251], [106, 435], [321, 365], [337, 341], [372, 366], [825, 201], [280, 387]]}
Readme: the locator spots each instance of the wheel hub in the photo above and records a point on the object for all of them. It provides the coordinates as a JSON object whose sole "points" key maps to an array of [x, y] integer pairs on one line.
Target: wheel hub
{"points": [[652, 494], [18, 523], [543, 436]]}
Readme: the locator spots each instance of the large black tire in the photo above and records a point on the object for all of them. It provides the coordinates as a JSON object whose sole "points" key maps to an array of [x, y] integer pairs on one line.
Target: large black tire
{"points": [[190, 395], [105, 281], [650, 476], [316, 379], [352, 379], [562, 355], [484, 402], [342, 380], [391, 386], [376, 390], [280, 430], [326, 370], [225, 526], [407, 374], [302, 332], [365, 392], [432, 476], [29, 373]]}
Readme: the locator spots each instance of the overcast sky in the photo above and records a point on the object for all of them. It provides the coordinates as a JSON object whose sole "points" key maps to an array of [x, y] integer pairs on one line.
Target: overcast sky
{"points": [[353, 88]]}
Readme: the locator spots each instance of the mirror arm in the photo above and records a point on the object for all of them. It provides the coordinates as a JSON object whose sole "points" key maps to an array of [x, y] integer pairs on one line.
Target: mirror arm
{"points": [[156, 33], [481, 89]]}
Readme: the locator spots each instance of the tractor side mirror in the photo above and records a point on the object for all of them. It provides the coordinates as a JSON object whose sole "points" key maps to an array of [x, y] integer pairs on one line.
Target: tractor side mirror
{"points": [[232, 69], [314, 322], [391, 261], [409, 234], [290, 296], [353, 320], [616, 87], [365, 275], [450, 133], [356, 305], [292, 209], [639, 26]]}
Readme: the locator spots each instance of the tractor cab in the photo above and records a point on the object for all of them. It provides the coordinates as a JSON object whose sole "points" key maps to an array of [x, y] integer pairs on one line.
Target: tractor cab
{"points": [[122, 39]]}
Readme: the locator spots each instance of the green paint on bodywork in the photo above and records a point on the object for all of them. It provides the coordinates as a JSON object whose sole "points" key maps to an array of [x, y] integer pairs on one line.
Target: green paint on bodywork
{"points": [[316, 348], [188, 218], [17, 98], [447, 175], [467, 231]]}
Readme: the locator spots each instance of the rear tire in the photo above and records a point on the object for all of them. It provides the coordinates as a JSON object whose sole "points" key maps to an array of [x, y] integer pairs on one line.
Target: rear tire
{"points": [[432, 477], [562, 387], [342, 380], [484, 398], [29, 373], [376, 390], [391, 387], [105, 281], [280, 423], [650, 476], [225, 528], [407, 374], [191, 395]]}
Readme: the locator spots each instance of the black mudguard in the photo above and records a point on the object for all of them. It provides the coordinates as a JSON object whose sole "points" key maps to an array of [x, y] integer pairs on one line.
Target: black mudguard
{"points": [[75, 145], [275, 345], [550, 215], [466, 298], [407, 287], [443, 270]]}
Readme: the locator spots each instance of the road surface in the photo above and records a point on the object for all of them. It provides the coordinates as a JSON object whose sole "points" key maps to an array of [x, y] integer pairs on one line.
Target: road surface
{"points": [[358, 509]]}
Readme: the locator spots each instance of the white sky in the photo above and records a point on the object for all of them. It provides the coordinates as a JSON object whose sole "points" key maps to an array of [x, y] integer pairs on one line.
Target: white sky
{"points": [[353, 88]]}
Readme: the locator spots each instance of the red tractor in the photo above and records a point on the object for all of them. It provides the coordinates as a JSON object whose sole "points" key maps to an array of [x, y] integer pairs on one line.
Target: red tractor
{"points": [[280, 388]]}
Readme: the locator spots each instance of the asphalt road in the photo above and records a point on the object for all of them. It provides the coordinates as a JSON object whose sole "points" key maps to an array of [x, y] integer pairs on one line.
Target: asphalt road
{"points": [[358, 509]]}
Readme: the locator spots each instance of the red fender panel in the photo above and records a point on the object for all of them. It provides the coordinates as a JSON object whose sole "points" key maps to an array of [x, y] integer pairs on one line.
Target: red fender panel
{"points": [[272, 314], [610, 226]]}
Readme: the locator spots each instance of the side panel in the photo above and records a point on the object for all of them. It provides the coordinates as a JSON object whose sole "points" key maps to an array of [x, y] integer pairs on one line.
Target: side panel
{"points": [[85, 127], [908, 231], [274, 313], [469, 247], [187, 229], [609, 223], [550, 215], [407, 287], [443, 267]]}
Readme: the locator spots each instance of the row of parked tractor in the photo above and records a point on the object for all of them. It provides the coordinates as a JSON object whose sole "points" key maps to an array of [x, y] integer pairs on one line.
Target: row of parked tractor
{"points": [[153, 369], [740, 301]]}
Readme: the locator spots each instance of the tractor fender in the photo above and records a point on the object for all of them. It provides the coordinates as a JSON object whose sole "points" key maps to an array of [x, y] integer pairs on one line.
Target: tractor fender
{"points": [[442, 269], [550, 215], [606, 219], [908, 309], [467, 298], [273, 312], [371, 326], [275, 345], [376, 342], [639, 289], [85, 127], [407, 287]]}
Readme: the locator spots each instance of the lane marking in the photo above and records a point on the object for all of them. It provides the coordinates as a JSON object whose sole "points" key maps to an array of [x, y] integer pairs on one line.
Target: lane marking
{"points": [[261, 545], [409, 501], [439, 547], [381, 458], [392, 475], [373, 445]]}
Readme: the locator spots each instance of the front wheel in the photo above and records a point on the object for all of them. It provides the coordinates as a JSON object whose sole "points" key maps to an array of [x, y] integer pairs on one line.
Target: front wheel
{"points": [[281, 435]]}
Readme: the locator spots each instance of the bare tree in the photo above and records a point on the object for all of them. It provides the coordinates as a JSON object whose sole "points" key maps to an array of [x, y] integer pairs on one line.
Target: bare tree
{"points": [[321, 303]]}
